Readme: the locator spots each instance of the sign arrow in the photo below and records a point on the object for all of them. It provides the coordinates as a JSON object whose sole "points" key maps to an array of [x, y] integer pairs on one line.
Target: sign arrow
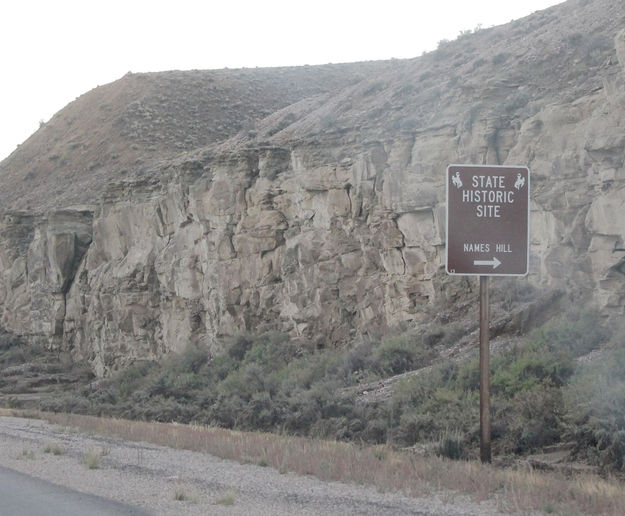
{"points": [[494, 262]]}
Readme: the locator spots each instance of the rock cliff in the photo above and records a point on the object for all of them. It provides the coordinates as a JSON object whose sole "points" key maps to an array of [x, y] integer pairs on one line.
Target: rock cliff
{"points": [[180, 207]]}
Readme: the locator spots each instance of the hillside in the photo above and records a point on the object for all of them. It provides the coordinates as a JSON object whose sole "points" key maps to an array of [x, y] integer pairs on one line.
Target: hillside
{"points": [[133, 126], [305, 207], [178, 207], [495, 79]]}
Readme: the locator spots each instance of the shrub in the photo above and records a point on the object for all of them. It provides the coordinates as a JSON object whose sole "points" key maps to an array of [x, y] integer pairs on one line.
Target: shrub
{"points": [[54, 449], [523, 370], [66, 403], [451, 446], [376, 431], [239, 347], [221, 366], [271, 350], [595, 410], [532, 419], [227, 498], [130, 378], [8, 340], [547, 356], [268, 382], [92, 460], [526, 384], [468, 375], [13, 402], [449, 334], [243, 382], [27, 453], [414, 427], [180, 495], [576, 334], [596, 47], [358, 359], [193, 359], [402, 353]]}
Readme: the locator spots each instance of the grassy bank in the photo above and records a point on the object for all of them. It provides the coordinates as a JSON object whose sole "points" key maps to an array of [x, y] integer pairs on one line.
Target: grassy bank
{"points": [[522, 489]]}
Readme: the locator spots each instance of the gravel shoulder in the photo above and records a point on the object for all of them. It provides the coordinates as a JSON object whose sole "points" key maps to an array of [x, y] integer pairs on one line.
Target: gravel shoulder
{"points": [[151, 477]]}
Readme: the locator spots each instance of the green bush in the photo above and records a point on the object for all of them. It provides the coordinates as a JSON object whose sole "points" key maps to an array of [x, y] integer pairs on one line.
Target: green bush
{"points": [[129, 379], [271, 350], [402, 353], [9, 340], [451, 446], [526, 383], [268, 382], [576, 334], [13, 402], [547, 356], [239, 347], [467, 377], [595, 410], [193, 359], [67, 403], [414, 427], [523, 370], [432, 403], [376, 431], [530, 420]]}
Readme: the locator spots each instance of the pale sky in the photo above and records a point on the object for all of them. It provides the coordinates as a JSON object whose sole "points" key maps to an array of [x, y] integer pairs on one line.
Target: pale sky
{"points": [[53, 51]]}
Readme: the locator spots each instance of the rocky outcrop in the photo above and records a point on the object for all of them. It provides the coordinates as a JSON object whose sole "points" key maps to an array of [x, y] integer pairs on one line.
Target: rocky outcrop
{"points": [[264, 240], [39, 257], [325, 218]]}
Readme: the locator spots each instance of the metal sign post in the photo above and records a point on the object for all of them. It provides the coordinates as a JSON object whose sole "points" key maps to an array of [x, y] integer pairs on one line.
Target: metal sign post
{"points": [[487, 235], [485, 455]]}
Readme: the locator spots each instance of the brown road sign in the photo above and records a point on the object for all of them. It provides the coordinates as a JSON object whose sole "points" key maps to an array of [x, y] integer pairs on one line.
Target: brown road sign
{"points": [[487, 220]]}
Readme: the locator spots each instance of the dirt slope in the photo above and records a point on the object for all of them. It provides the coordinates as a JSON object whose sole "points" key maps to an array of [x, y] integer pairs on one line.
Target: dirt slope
{"points": [[131, 127], [135, 124]]}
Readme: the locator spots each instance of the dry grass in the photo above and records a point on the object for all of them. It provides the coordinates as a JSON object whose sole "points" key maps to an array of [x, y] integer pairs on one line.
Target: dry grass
{"points": [[180, 495], [54, 449], [386, 469], [227, 498], [27, 453], [92, 460]]}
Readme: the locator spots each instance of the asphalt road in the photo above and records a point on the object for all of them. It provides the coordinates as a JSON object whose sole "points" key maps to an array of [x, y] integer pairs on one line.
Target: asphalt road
{"points": [[22, 494]]}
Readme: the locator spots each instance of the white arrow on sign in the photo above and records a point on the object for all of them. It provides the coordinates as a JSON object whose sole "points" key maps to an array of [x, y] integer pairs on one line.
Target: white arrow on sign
{"points": [[494, 262]]}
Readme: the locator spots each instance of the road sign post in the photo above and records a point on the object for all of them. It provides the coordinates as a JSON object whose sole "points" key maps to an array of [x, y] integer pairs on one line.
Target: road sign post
{"points": [[485, 426], [487, 235]]}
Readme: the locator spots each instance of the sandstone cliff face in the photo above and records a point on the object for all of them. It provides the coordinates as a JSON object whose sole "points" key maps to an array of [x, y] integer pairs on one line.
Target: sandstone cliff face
{"points": [[325, 216]]}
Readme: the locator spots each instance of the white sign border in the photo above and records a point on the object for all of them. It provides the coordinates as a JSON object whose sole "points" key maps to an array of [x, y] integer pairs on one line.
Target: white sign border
{"points": [[527, 259]]}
